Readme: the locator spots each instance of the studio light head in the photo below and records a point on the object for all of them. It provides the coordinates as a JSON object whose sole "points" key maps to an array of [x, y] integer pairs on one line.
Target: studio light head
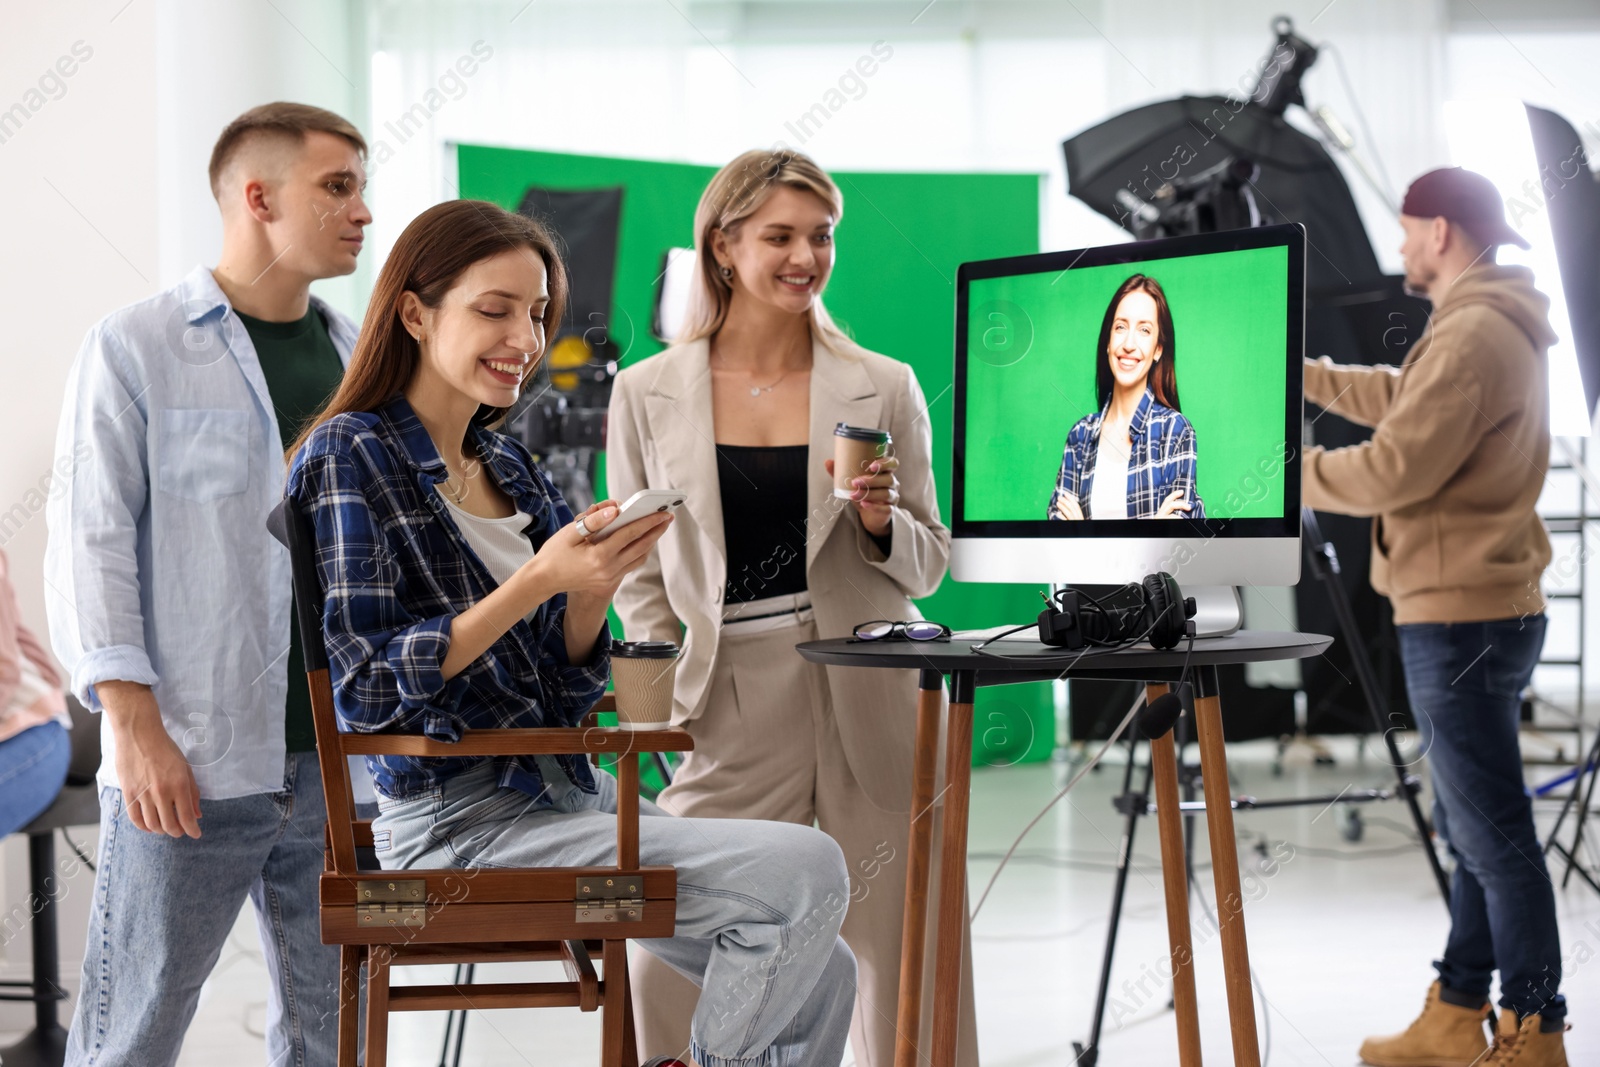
{"points": [[1281, 71]]}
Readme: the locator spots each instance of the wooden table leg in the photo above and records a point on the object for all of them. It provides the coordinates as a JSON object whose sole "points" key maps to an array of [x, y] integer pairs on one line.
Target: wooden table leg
{"points": [[919, 863], [953, 870], [1225, 869], [1174, 876]]}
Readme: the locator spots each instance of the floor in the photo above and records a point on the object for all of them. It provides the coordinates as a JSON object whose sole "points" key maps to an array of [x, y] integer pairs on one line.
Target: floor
{"points": [[1341, 934]]}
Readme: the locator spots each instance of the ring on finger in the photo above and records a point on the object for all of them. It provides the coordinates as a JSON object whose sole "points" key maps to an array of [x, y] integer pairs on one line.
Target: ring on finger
{"points": [[583, 527]]}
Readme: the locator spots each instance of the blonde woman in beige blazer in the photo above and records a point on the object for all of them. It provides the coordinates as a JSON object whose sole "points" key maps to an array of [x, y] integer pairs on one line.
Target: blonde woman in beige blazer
{"points": [[739, 417]]}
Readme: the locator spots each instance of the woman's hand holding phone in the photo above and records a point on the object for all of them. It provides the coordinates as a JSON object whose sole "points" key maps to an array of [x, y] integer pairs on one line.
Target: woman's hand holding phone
{"points": [[592, 570]]}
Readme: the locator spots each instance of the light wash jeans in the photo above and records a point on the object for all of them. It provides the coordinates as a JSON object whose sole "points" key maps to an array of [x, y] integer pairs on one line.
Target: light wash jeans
{"points": [[759, 903], [163, 908], [33, 766]]}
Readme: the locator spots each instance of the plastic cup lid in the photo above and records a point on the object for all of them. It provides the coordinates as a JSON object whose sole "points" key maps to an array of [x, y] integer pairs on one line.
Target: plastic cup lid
{"points": [[643, 650], [860, 433]]}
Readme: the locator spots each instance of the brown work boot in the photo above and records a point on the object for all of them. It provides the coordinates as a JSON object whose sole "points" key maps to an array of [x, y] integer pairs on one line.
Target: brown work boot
{"points": [[1444, 1035], [1522, 1045]]}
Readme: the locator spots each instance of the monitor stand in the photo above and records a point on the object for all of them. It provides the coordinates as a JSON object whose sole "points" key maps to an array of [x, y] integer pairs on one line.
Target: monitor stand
{"points": [[1218, 610], [1218, 613]]}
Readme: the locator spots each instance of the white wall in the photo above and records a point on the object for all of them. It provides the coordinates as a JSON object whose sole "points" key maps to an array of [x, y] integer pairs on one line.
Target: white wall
{"points": [[106, 202], [78, 181], [977, 86]]}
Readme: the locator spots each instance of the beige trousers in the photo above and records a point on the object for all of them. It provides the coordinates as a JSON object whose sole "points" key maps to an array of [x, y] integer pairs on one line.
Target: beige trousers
{"points": [[767, 747]]}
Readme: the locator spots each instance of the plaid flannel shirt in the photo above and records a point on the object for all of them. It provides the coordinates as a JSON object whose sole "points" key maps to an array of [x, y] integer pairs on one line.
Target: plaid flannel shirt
{"points": [[396, 570], [1162, 459]]}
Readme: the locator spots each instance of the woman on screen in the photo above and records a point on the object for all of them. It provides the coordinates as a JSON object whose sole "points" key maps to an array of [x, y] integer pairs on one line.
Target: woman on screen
{"points": [[1135, 457]]}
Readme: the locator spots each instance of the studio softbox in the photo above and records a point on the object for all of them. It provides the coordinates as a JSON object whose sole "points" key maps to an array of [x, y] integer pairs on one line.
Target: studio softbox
{"points": [[1118, 166]]}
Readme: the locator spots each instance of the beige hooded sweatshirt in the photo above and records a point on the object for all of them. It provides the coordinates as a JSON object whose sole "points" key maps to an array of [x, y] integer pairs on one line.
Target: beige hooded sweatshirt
{"points": [[1458, 456]]}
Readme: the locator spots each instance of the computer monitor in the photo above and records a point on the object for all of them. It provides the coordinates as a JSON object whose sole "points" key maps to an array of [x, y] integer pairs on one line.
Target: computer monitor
{"points": [[1181, 355]]}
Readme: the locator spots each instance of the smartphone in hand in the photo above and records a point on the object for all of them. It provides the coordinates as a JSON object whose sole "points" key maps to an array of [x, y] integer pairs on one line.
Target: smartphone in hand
{"points": [[644, 502]]}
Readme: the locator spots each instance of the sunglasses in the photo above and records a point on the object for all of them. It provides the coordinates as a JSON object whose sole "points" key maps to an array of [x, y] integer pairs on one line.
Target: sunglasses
{"points": [[916, 630]]}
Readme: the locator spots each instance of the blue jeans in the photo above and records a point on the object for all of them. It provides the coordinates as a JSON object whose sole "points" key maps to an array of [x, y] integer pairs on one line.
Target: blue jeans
{"points": [[759, 903], [163, 907], [1465, 681], [33, 766]]}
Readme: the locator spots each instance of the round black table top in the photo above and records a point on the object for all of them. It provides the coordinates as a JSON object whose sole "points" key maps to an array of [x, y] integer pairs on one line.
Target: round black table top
{"points": [[1007, 661]]}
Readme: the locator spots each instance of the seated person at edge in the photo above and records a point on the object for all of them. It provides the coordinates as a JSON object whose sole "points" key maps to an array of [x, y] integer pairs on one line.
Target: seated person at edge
{"points": [[34, 747], [1135, 457], [463, 595]]}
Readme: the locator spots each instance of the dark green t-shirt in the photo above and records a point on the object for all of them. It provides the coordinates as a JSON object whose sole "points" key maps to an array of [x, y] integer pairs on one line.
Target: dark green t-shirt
{"points": [[302, 369]]}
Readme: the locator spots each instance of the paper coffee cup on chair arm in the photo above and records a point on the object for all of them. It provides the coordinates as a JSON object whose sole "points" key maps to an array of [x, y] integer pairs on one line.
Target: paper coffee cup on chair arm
{"points": [[854, 450], [642, 677]]}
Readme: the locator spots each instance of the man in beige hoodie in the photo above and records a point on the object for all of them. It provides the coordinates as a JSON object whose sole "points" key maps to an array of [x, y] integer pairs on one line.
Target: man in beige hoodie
{"points": [[1458, 455]]}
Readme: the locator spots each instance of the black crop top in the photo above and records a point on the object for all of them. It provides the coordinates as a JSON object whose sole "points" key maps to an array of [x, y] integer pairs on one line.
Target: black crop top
{"points": [[763, 519]]}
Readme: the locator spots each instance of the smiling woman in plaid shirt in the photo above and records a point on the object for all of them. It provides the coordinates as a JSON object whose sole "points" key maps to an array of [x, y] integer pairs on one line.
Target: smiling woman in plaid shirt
{"points": [[1135, 457], [461, 594]]}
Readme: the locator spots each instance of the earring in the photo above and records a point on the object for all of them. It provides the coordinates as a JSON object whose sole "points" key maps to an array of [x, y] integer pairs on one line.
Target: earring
{"points": [[727, 271]]}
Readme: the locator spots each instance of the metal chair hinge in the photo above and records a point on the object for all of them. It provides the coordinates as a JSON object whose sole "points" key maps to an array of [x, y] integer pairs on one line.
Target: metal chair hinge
{"points": [[398, 903], [603, 899]]}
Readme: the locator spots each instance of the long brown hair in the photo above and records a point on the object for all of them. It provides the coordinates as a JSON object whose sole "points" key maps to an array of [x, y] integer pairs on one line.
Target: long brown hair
{"points": [[737, 192], [1164, 375], [438, 247]]}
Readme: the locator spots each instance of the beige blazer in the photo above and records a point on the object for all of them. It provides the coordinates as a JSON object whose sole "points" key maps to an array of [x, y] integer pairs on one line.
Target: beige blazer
{"points": [[660, 435]]}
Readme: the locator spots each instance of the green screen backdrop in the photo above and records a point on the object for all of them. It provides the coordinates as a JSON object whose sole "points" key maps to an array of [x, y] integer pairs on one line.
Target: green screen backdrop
{"points": [[893, 288], [1228, 325]]}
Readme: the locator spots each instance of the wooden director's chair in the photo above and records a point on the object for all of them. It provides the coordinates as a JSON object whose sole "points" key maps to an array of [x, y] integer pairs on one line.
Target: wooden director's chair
{"points": [[383, 919]]}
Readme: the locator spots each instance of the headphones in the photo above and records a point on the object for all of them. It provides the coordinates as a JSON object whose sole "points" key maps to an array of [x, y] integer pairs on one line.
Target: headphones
{"points": [[1076, 619]]}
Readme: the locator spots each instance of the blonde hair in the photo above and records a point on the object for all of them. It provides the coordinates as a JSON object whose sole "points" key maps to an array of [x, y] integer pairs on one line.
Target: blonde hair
{"points": [[737, 192]]}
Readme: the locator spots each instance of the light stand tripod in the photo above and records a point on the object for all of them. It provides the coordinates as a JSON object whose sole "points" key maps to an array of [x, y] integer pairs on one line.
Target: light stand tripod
{"points": [[1324, 565], [1324, 561], [1131, 805], [1590, 765], [1590, 762]]}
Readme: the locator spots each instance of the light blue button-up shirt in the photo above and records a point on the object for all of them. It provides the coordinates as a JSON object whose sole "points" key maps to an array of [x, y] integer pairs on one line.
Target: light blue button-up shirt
{"points": [[159, 567]]}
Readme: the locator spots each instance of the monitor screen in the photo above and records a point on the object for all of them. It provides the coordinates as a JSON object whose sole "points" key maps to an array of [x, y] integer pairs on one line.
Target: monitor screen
{"points": [[1123, 407]]}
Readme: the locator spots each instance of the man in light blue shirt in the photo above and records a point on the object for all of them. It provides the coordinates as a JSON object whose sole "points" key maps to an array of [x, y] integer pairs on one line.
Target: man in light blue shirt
{"points": [[170, 604]]}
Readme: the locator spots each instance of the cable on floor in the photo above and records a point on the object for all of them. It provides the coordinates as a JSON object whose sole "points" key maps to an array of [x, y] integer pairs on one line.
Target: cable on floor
{"points": [[1076, 778], [73, 845]]}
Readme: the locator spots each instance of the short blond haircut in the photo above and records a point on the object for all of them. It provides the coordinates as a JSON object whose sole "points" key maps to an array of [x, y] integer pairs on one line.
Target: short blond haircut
{"points": [[737, 192], [281, 120]]}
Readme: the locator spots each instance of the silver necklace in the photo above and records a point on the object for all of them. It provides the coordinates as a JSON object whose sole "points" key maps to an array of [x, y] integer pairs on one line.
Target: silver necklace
{"points": [[757, 390], [466, 486]]}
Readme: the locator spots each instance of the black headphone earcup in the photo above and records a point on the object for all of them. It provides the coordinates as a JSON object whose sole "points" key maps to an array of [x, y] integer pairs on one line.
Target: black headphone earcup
{"points": [[1165, 610]]}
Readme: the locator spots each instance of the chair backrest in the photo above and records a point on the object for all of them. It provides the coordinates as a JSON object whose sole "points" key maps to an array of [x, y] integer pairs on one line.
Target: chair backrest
{"points": [[292, 526]]}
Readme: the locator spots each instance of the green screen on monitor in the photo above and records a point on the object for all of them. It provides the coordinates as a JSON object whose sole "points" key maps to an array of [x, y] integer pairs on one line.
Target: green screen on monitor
{"points": [[1036, 368]]}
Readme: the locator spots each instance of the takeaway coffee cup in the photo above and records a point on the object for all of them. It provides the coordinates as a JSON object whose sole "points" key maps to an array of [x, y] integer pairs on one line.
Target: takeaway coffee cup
{"points": [[642, 675], [854, 449]]}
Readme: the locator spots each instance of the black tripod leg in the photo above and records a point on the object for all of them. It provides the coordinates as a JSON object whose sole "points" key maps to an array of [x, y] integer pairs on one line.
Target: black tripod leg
{"points": [[455, 1022], [1133, 805], [1324, 562], [1583, 815]]}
